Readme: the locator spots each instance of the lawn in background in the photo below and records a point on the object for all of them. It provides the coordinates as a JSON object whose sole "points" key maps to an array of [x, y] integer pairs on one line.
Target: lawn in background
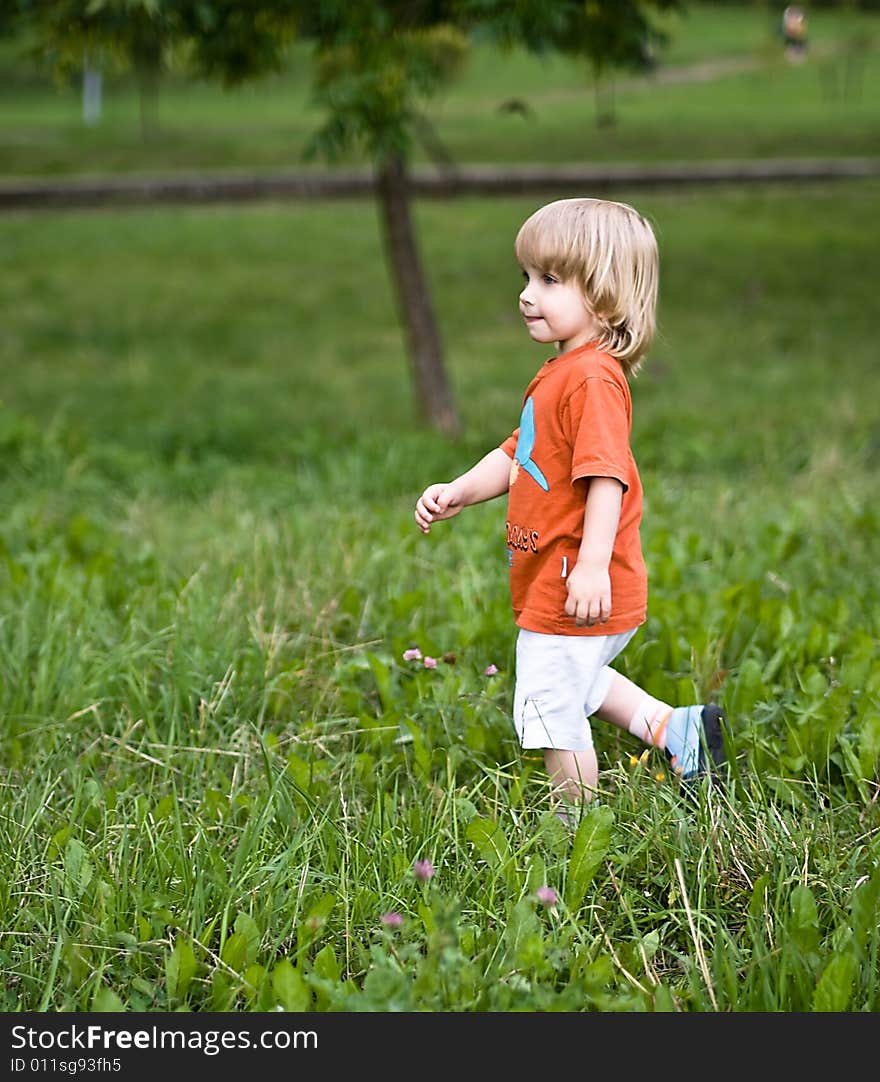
{"points": [[757, 105]]}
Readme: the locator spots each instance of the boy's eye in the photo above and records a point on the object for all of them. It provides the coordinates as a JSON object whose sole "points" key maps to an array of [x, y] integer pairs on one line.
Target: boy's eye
{"points": [[548, 279]]}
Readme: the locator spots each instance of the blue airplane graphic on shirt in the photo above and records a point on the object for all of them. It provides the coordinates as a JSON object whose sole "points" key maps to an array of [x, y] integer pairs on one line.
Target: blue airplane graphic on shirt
{"points": [[525, 444]]}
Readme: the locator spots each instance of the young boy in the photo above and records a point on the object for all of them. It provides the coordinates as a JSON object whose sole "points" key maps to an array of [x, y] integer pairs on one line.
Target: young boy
{"points": [[577, 577]]}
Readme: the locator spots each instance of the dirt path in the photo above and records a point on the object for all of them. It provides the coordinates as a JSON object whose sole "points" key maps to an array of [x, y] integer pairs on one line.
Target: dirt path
{"points": [[217, 187], [466, 180], [704, 72]]}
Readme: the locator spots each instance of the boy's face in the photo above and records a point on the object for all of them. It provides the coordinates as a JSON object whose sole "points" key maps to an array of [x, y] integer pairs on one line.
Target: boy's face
{"points": [[555, 311]]}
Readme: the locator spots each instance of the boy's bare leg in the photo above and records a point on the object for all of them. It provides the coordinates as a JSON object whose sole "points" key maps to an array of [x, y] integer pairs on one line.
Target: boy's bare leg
{"points": [[573, 776], [691, 736], [629, 707]]}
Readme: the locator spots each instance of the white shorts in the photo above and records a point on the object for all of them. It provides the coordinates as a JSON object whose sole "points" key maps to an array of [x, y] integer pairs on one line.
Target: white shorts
{"points": [[560, 681]]}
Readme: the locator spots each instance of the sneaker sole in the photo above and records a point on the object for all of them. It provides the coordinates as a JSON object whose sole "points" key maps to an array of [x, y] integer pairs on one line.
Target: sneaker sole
{"points": [[713, 731]]}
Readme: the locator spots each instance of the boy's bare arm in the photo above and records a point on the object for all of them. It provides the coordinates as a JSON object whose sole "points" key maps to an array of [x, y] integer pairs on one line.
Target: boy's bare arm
{"points": [[490, 477], [589, 583]]}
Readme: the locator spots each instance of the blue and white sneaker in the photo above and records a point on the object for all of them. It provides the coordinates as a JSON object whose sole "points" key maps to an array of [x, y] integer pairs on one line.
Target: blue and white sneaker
{"points": [[697, 739]]}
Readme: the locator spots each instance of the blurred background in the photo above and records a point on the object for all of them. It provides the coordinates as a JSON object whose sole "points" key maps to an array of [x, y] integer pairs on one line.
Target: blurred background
{"points": [[250, 330]]}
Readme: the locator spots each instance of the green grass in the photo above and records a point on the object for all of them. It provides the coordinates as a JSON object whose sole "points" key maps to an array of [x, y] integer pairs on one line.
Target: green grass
{"points": [[769, 108], [218, 768]]}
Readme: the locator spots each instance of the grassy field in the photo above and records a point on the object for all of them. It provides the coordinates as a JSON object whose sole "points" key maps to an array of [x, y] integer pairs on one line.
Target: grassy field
{"points": [[757, 105], [217, 769]]}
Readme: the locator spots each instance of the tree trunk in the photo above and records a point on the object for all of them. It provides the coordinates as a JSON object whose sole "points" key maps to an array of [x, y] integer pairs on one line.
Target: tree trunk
{"points": [[603, 89], [148, 86], [147, 59], [433, 392]]}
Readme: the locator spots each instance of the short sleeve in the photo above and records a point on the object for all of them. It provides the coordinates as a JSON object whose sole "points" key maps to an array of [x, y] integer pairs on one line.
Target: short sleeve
{"points": [[596, 416]]}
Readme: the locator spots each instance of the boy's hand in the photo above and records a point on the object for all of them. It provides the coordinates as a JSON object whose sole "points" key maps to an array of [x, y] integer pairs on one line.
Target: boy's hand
{"points": [[436, 503], [589, 594]]}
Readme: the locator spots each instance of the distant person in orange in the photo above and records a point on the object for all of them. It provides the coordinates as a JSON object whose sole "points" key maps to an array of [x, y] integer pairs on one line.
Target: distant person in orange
{"points": [[794, 33], [578, 581]]}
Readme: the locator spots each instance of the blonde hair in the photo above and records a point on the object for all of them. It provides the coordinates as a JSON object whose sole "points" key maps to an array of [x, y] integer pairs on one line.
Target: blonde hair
{"points": [[611, 251]]}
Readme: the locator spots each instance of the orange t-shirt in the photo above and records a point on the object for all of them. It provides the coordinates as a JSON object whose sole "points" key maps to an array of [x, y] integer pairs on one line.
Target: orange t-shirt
{"points": [[575, 424]]}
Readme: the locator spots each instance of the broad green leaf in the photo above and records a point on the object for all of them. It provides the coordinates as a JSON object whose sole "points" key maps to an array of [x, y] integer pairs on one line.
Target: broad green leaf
{"points": [[290, 987], [869, 744], [835, 985], [785, 793], [234, 952], [77, 865], [254, 976], [325, 964], [428, 919], [387, 989], [78, 960], [747, 688], [489, 840], [814, 683], [164, 808], [300, 771], [223, 992], [587, 852], [803, 922], [598, 973], [141, 984], [537, 874], [106, 1001], [180, 968], [758, 900], [864, 909], [324, 906], [216, 803], [246, 926], [651, 943], [57, 842], [523, 935], [554, 834], [663, 1001]]}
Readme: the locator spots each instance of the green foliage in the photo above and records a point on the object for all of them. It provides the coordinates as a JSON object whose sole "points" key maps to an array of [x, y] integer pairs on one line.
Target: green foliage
{"points": [[372, 83], [756, 106], [607, 33], [136, 34], [588, 850], [180, 969], [233, 42]]}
